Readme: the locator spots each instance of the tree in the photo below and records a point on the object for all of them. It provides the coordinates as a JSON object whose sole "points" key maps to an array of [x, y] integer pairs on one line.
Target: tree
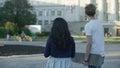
{"points": [[17, 11], [6, 13], [10, 26]]}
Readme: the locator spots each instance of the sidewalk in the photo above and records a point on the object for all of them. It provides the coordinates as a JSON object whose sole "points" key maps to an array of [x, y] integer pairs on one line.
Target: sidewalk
{"points": [[38, 61], [112, 59], [27, 61]]}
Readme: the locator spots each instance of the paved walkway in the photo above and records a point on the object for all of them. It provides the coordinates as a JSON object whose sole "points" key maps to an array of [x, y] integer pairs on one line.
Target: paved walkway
{"points": [[112, 59], [38, 61], [27, 61]]}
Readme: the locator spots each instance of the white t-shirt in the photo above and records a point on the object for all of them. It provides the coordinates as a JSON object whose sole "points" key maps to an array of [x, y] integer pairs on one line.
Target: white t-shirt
{"points": [[95, 29]]}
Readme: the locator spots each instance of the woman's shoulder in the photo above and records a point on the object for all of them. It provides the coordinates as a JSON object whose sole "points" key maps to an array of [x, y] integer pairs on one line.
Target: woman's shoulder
{"points": [[71, 38], [49, 38]]}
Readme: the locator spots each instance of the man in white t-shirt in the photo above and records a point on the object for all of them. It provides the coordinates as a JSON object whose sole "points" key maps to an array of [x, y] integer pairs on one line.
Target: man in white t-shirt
{"points": [[95, 35]]}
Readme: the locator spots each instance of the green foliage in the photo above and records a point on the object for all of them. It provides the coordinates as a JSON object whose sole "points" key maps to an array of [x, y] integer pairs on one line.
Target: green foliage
{"points": [[6, 13], [112, 40], [17, 11], [38, 34], [2, 32], [26, 31], [45, 34], [115, 40], [10, 25]]}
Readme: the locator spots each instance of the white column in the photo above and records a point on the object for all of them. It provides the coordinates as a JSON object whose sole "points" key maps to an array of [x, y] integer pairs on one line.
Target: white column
{"points": [[93, 1], [113, 10], [119, 10], [100, 8], [88, 1]]}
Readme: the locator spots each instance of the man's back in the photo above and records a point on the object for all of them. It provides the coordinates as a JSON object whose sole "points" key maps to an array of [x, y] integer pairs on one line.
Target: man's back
{"points": [[95, 29]]}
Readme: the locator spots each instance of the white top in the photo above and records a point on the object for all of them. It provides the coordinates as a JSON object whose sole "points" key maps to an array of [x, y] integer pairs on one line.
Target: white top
{"points": [[95, 29]]}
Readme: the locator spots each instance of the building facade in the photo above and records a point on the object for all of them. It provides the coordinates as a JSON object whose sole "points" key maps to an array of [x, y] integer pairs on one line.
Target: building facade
{"points": [[48, 10], [2, 3], [108, 12]]}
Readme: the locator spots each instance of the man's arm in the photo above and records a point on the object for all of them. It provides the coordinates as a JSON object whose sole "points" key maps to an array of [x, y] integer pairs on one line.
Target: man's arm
{"points": [[88, 47]]}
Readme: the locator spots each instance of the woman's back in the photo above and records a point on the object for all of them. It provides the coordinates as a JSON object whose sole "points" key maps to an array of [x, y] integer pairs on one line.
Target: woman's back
{"points": [[60, 46]]}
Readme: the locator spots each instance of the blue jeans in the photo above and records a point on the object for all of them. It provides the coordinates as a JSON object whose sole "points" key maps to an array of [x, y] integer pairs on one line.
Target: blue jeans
{"points": [[91, 66]]}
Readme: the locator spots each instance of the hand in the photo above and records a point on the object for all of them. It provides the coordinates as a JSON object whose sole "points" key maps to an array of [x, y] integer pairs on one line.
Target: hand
{"points": [[85, 63]]}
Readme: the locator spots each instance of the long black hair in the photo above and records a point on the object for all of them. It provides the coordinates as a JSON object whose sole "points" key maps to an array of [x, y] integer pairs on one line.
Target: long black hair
{"points": [[60, 34]]}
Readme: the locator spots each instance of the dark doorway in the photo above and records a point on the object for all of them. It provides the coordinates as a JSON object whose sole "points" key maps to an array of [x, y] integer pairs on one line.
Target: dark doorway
{"points": [[118, 32]]}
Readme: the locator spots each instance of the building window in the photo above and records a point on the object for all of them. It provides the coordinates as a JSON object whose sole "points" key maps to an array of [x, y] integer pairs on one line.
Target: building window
{"points": [[52, 13], [46, 22], [40, 13], [51, 21], [59, 13], [40, 22]]}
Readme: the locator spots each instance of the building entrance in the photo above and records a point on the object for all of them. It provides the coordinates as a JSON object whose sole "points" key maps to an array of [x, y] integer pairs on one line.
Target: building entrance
{"points": [[118, 31]]}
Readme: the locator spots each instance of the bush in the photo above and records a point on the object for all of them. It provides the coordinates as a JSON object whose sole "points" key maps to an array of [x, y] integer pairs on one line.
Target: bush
{"points": [[2, 32], [26, 31], [37, 34], [42, 34], [11, 26]]}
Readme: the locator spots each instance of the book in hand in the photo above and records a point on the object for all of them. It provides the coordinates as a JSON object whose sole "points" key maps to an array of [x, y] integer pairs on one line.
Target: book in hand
{"points": [[94, 59]]}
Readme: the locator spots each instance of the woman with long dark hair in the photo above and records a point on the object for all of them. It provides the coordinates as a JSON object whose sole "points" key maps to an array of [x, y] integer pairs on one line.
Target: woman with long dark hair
{"points": [[60, 46]]}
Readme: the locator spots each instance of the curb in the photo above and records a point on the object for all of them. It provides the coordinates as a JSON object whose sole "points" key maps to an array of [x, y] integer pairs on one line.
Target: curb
{"points": [[22, 56]]}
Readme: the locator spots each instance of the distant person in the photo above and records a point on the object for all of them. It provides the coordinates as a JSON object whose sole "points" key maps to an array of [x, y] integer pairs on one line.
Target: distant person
{"points": [[95, 35], [60, 46], [8, 34], [23, 35]]}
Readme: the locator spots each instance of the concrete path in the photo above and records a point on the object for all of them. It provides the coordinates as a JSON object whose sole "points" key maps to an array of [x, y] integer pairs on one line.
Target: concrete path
{"points": [[38, 61], [27, 61], [112, 59]]}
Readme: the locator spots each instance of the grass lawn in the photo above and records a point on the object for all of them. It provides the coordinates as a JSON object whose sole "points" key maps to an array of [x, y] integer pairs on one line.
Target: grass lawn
{"points": [[115, 40], [43, 38]]}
